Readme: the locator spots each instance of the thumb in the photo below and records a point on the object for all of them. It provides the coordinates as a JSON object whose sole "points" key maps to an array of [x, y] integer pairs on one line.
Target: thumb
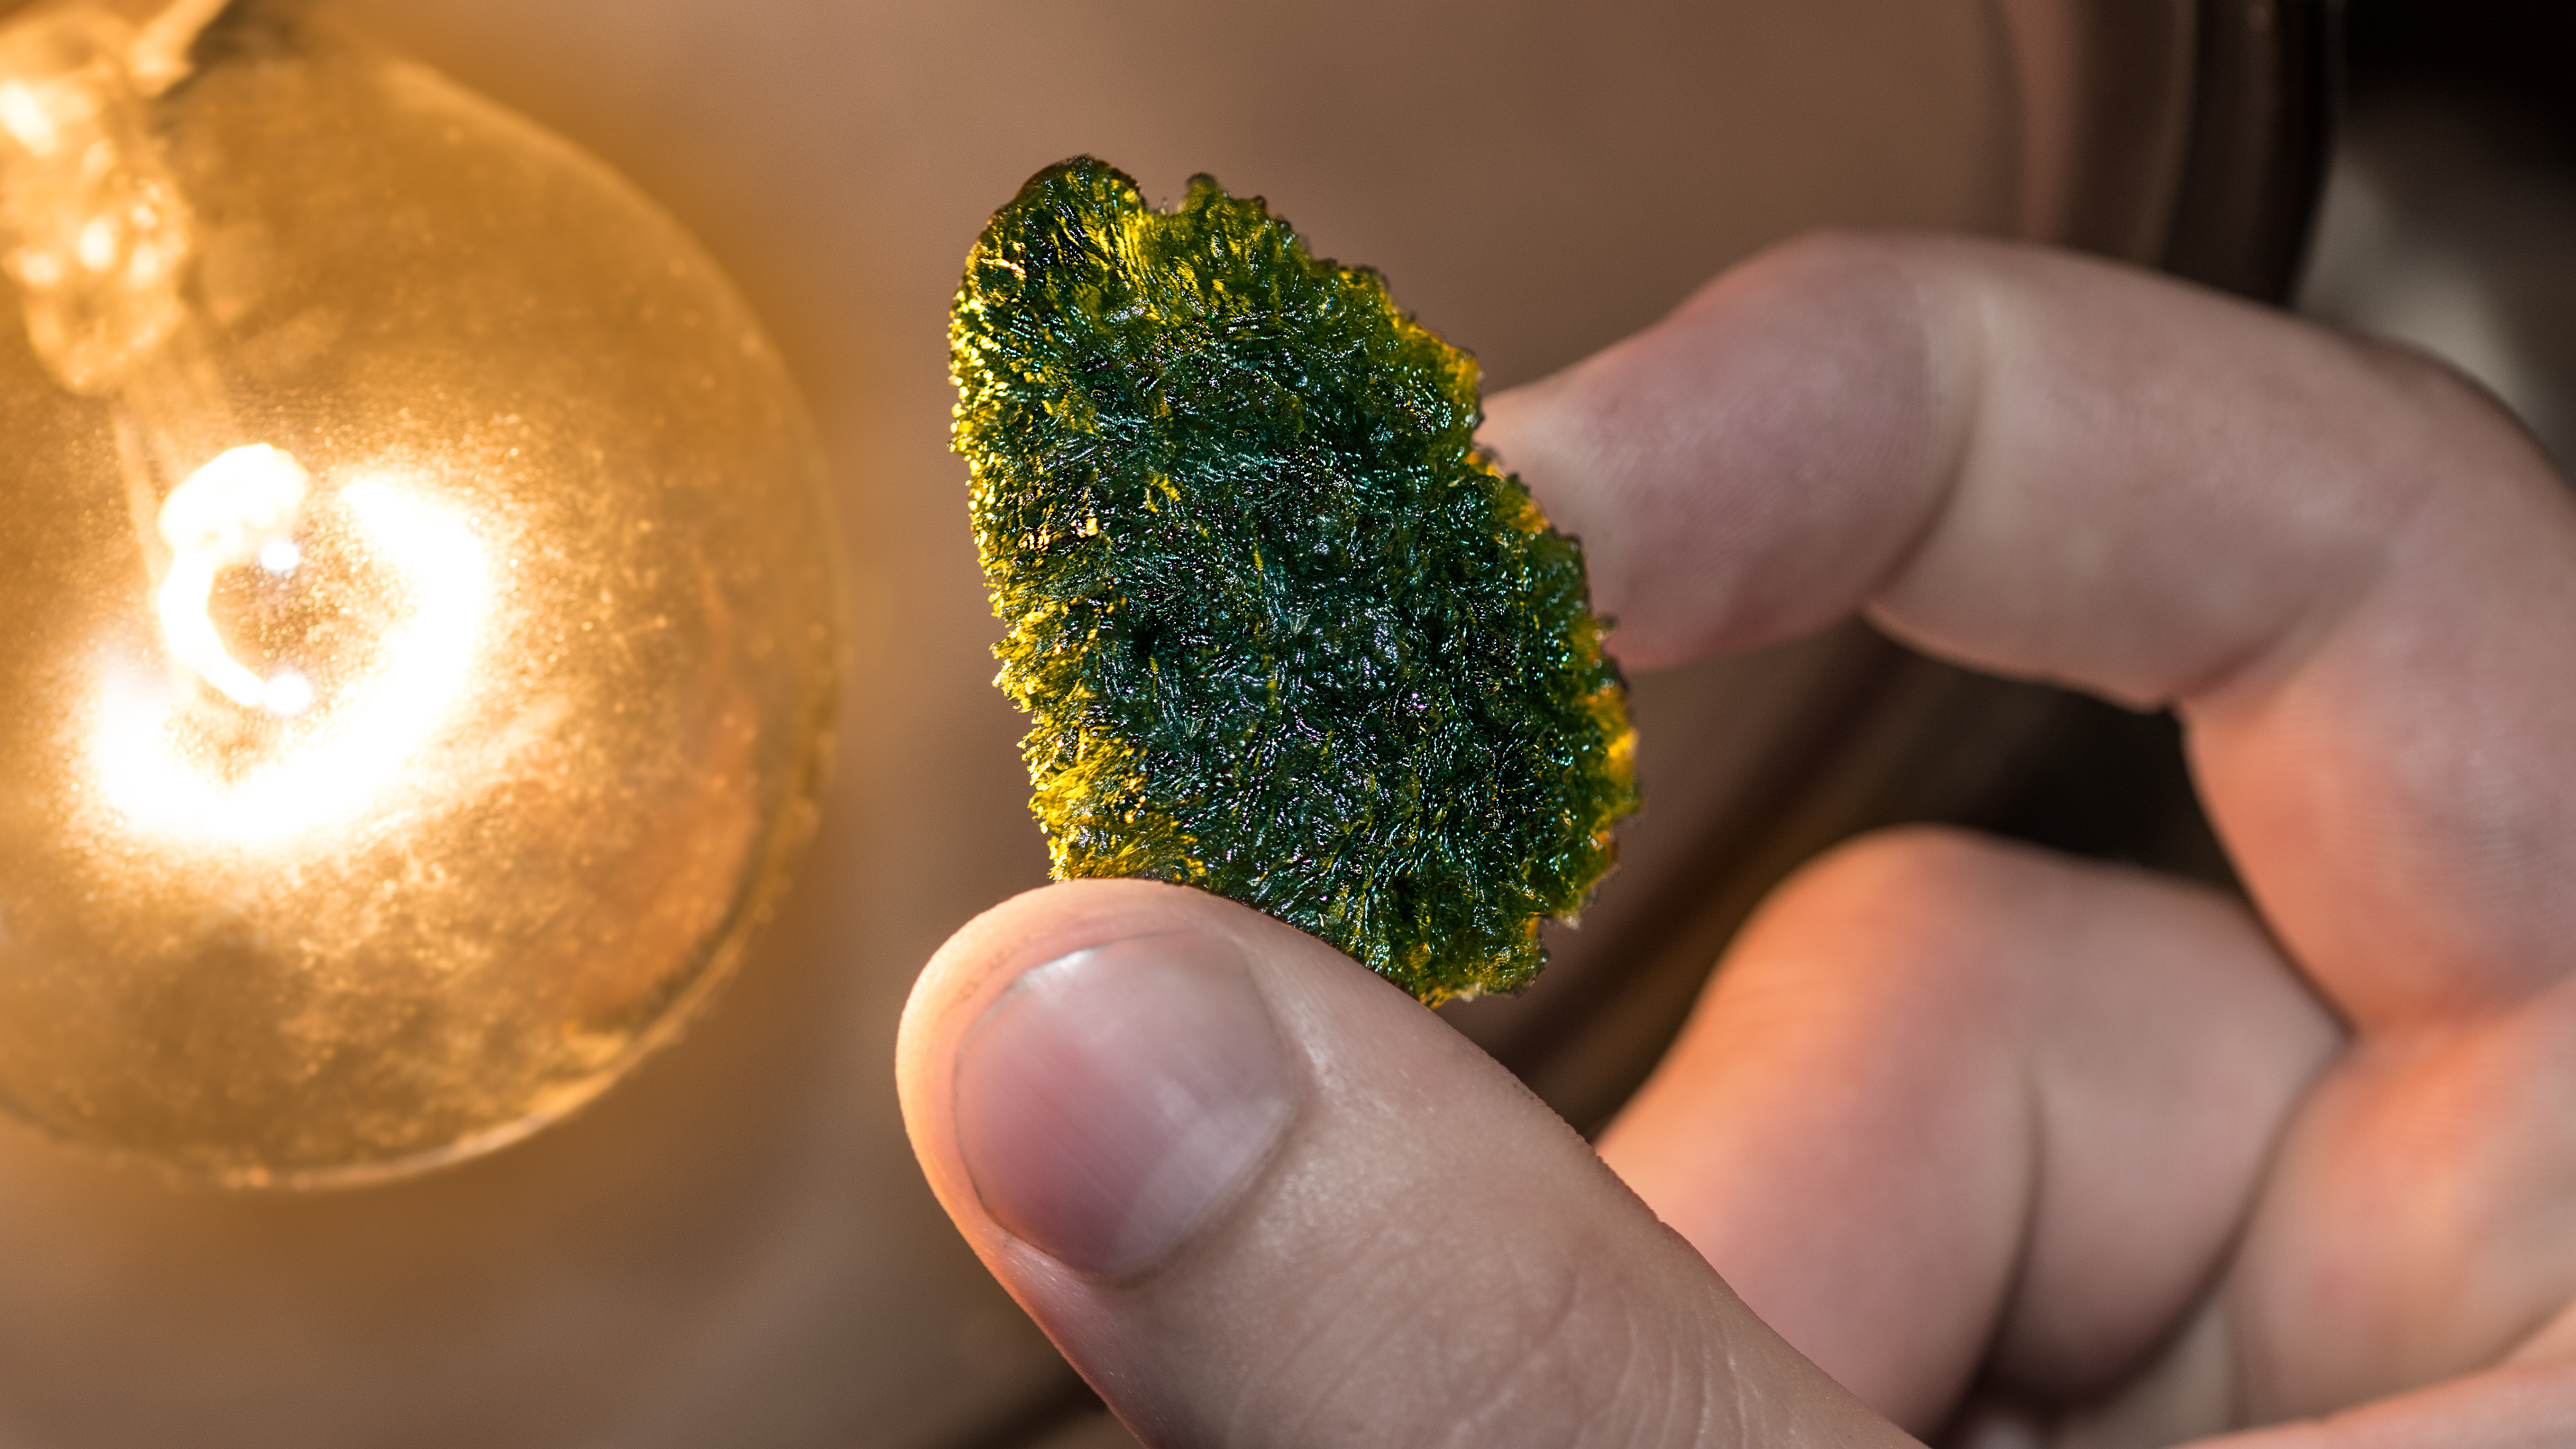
{"points": [[1260, 1197]]}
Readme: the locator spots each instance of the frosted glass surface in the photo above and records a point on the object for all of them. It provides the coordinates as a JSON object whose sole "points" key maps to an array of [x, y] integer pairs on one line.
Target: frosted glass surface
{"points": [[420, 656]]}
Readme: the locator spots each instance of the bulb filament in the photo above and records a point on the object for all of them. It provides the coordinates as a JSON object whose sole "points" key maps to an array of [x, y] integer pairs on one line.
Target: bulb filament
{"points": [[350, 761], [240, 507], [101, 244]]}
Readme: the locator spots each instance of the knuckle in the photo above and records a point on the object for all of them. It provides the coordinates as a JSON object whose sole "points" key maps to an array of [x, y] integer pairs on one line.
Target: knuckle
{"points": [[1917, 871]]}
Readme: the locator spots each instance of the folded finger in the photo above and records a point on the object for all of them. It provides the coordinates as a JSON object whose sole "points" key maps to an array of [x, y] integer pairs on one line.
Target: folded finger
{"points": [[1954, 1105], [2349, 570]]}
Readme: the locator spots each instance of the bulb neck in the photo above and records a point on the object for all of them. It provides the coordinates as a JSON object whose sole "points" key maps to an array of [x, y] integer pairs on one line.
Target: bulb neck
{"points": [[98, 233], [99, 238]]}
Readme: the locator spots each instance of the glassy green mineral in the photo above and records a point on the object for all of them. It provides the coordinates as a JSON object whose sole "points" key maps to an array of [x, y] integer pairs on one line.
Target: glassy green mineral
{"points": [[1284, 634]]}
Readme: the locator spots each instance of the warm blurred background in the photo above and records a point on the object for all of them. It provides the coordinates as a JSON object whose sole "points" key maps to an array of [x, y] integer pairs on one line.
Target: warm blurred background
{"points": [[734, 1248]]}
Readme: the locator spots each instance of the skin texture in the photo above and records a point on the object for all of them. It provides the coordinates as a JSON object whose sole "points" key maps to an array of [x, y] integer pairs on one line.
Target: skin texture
{"points": [[2020, 1150]]}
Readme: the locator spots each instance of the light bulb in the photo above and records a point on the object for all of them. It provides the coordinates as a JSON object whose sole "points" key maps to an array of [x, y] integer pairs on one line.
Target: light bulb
{"points": [[418, 611]]}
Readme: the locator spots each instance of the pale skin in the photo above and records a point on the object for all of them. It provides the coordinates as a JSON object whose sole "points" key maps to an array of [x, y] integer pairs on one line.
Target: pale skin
{"points": [[1963, 1139]]}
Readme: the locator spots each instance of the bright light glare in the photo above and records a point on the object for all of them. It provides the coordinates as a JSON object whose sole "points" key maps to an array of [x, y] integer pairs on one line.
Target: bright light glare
{"points": [[27, 119], [357, 750], [288, 693], [99, 244], [228, 511]]}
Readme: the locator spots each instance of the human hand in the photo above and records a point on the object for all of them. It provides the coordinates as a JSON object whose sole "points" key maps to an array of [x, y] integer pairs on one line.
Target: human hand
{"points": [[2104, 1158]]}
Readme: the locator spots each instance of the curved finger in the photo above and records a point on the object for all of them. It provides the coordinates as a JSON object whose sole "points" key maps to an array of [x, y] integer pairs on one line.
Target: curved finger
{"points": [[2515, 1406], [2351, 572], [1955, 1105], [1260, 1197]]}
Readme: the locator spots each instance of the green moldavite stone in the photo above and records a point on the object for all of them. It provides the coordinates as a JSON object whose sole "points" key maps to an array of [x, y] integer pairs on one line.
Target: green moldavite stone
{"points": [[1285, 634]]}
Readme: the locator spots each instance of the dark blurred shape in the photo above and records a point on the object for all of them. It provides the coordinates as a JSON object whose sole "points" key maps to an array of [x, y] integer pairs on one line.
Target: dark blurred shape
{"points": [[2507, 56], [2262, 127], [2189, 134], [2452, 209], [2186, 134]]}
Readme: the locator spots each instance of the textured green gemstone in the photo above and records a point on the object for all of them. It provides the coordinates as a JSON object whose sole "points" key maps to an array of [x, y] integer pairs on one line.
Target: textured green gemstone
{"points": [[1285, 635]]}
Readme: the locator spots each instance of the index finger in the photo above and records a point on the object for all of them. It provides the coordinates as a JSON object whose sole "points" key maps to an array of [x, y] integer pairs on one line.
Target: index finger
{"points": [[2353, 575]]}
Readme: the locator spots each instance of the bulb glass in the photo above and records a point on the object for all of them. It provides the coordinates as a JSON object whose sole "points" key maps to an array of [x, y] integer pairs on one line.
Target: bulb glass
{"points": [[421, 631]]}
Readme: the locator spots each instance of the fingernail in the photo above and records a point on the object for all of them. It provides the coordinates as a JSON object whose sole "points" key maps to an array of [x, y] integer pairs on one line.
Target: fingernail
{"points": [[1111, 1103]]}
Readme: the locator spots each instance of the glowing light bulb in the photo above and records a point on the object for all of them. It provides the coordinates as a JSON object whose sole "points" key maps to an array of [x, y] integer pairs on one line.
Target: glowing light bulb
{"points": [[420, 642]]}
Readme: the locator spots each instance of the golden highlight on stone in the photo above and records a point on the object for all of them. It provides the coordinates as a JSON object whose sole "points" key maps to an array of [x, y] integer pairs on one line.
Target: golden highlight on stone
{"points": [[420, 642], [1282, 632]]}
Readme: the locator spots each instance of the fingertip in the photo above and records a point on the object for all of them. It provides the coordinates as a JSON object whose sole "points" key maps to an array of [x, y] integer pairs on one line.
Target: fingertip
{"points": [[1748, 468], [1242, 1181], [982, 963]]}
